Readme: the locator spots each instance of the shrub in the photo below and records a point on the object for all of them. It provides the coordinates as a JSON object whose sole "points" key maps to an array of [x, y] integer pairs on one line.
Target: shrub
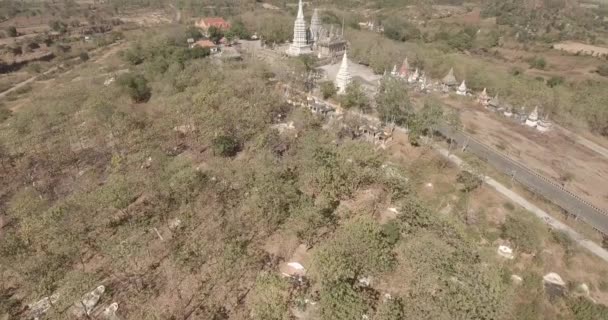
{"points": [[526, 233], [84, 56], [136, 86], [584, 309], [469, 181], [603, 70], [226, 146], [537, 63], [12, 31], [555, 81], [328, 89]]}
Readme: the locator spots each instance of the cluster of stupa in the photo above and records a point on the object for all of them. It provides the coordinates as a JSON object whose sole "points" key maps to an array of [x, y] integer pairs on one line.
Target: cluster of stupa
{"points": [[419, 80], [325, 43], [533, 120]]}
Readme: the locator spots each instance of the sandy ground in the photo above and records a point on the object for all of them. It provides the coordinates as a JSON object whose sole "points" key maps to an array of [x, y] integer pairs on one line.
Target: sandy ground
{"points": [[575, 47], [554, 154]]}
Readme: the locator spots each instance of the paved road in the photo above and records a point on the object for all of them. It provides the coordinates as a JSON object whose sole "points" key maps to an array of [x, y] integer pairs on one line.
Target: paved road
{"points": [[554, 223], [534, 181]]}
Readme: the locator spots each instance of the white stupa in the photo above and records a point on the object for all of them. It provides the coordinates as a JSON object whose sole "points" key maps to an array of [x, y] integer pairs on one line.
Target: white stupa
{"points": [[532, 120], [394, 72], [483, 98], [414, 77], [544, 124], [343, 78], [462, 89], [300, 45]]}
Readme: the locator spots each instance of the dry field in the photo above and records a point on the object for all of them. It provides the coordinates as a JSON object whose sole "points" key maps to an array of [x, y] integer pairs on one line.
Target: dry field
{"points": [[553, 154], [587, 49]]}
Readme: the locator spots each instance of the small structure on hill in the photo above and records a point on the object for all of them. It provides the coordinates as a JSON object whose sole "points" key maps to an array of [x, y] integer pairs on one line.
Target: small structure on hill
{"points": [[483, 98], [532, 120], [344, 77], [462, 89], [208, 44], [544, 125], [508, 112], [450, 80], [394, 72], [494, 103]]}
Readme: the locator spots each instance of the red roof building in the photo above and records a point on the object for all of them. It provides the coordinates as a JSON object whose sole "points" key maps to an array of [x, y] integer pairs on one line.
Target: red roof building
{"points": [[207, 44], [220, 23]]}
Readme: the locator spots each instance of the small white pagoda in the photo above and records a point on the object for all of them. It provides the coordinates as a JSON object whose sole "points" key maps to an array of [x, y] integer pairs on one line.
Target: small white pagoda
{"points": [[544, 124], [483, 98], [343, 78], [532, 120], [394, 73], [414, 77], [462, 89]]}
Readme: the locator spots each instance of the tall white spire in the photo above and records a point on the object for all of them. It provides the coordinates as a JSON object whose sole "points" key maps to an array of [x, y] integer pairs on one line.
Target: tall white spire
{"points": [[300, 44], [343, 78]]}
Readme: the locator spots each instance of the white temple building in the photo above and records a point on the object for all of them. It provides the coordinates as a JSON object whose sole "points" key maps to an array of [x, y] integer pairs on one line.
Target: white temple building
{"points": [[343, 78], [300, 45], [532, 120], [462, 89]]}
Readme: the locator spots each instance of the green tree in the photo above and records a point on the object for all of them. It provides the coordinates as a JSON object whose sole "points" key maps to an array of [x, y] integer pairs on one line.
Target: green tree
{"points": [[328, 89], [340, 301], [393, 103], [454, 124], [359, 248], [84, 56], [391, 309], [226, 146], [58, 26], [270, 298], [215, 34], [355, 98], [136, 86]]}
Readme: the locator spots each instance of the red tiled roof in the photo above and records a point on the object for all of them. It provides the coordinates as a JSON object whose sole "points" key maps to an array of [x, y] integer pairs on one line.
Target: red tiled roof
{"points": [[217, 22], [205, 44]]}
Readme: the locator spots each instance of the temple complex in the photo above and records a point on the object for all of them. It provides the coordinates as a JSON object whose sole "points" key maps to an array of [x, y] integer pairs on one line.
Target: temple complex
{"points": [[532, 120], [462, 89], [483, 98], [300, 45], [343, 78]]}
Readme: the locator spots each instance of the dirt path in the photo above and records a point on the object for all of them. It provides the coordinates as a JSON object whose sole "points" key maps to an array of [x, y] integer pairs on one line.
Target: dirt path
{"points": [[541, 214], [25, 82]]}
